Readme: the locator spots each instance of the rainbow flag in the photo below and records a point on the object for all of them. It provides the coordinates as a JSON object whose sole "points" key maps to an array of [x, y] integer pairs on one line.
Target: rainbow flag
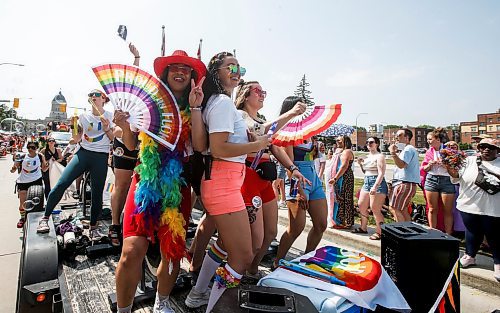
{"points": [[109, 187], [332, 273]]}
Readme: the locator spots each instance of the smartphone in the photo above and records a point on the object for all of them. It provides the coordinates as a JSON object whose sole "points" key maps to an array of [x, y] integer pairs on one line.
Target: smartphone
{"points": [[294, 187]]}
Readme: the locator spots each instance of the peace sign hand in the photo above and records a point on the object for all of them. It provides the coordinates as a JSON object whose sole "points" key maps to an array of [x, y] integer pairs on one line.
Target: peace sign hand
{"points": [[196, 94]]}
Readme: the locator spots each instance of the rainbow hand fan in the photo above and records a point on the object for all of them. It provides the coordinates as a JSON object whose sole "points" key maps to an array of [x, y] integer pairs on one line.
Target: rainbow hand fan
{"points": [[310, 123], [150, 103]]}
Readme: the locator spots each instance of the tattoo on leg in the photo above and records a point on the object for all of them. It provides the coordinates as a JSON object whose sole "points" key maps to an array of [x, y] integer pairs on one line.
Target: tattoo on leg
{"points": [[252, 213]]}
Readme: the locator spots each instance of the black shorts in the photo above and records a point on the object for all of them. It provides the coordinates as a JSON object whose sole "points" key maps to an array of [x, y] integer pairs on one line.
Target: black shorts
{"points": [[123, 158], [26, 186]]}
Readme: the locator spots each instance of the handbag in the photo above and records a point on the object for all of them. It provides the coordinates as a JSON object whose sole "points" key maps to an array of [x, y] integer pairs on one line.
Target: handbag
{"points": [[266, 170], [486, 181]]}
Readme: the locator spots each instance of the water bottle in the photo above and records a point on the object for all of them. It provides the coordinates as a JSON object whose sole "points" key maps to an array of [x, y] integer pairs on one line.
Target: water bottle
{"points": [[56, 216]]}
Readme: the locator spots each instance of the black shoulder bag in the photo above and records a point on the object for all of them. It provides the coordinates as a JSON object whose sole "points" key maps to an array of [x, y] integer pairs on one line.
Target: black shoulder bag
{"points": [[488, 182]]}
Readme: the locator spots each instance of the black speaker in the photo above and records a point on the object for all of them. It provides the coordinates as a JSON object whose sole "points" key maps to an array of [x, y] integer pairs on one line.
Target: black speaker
{"points": [[253, 299], [419, 261]]}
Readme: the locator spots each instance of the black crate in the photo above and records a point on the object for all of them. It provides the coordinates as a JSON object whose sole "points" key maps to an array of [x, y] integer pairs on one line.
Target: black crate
{"points": [[419, 261]]}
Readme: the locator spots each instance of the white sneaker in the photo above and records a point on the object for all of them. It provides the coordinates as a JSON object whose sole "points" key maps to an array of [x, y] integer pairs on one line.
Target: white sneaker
{"points": [[467, 261], [162, 306], [43, 226], [196, 299]]}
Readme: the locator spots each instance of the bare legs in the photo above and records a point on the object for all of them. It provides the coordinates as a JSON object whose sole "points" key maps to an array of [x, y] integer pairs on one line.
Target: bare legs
{"points": [[448, 201]]}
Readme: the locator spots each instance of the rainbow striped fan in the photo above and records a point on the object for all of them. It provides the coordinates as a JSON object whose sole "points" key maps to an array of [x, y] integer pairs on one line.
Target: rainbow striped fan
{"points": [[151, 105], [310, 123]]}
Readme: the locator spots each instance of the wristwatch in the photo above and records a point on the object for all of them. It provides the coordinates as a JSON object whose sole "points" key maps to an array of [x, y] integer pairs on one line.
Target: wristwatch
{"points": [[293, 167]]}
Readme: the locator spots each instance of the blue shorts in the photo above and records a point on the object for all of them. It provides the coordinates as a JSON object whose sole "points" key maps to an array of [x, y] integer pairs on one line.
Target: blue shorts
{"points": [[437, 183], [369, 182], [281, 171], [312, 192]]}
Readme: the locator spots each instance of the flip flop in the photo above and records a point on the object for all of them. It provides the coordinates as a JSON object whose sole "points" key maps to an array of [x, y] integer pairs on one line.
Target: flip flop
{"points": [[375, 236]]}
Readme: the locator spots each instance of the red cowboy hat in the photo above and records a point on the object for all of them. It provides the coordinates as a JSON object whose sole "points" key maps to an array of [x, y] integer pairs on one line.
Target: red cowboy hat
{"points": [[180, 57]]}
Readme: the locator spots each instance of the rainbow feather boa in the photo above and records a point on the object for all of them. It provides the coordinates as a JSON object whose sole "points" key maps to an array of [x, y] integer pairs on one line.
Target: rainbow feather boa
{"points": [[158, 194]]}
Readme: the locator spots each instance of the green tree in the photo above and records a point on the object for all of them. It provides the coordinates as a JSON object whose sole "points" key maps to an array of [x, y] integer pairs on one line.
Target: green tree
{"points": [[303, 92], [6, 112], [391, 126], [361, 128], [426, 126]]}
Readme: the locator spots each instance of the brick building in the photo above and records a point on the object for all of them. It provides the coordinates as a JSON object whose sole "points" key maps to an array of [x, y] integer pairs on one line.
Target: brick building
{"points": [[487, 123]]}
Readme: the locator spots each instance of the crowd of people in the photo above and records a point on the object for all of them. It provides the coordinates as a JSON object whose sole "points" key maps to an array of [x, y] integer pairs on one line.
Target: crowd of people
{"points": [[222, 131]]}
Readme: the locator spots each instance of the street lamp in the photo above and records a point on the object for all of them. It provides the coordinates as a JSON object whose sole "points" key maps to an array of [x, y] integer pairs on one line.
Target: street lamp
{"points": [[357, 147]]}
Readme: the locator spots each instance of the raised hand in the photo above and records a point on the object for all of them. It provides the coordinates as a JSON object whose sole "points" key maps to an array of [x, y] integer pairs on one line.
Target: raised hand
{"points": [[298, 108], [120, 119], [196, 94]]}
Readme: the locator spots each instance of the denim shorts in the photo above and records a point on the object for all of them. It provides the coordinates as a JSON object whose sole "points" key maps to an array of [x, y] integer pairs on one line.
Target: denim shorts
{"points": [[437, 183], [281, 171], [370, 182], [313, 191]]}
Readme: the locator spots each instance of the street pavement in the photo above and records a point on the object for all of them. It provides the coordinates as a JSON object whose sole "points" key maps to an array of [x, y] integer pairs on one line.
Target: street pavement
{"points": [[472, 300]]}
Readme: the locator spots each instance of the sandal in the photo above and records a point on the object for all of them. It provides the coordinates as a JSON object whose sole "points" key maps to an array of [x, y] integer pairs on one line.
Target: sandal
{"points": [[359, 230], [114, 235], [375, 236]]}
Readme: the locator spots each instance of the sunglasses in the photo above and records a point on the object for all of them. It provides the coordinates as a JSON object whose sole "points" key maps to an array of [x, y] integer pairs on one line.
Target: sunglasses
{"points": [[31, 148], [234, 69], [95, 94], [483, 146], [259, 92], [184, 69], [369, 142], [51, 141]]}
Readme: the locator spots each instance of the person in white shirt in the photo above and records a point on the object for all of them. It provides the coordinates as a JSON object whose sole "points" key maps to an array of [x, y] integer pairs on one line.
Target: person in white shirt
{"points": [[94, 134], [31, 166], [478, 202]]}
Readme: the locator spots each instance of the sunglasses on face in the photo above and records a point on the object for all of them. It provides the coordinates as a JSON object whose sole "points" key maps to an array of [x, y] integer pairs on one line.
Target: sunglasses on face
{"points": [[184, 69], [234, 69], [31, 148], [259, 92], [369, 142], [52, 141], [483, 146], [95, 94]]}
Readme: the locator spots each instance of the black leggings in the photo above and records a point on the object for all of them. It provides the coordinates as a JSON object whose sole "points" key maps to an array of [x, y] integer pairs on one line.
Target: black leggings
{"points": [[476, 227]]}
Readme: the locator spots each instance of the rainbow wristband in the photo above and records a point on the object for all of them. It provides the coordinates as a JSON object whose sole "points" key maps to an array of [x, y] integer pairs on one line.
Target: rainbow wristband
{"points": [[224, 279]]}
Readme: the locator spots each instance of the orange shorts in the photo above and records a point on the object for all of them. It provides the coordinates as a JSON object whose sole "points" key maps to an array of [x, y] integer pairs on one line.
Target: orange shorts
{"points": [[130, 225], [255, 186], [221, 194]]}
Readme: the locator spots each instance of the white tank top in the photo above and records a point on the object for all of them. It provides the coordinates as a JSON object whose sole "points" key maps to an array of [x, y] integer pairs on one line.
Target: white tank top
{"points": [[31, 169], [370, 164]]}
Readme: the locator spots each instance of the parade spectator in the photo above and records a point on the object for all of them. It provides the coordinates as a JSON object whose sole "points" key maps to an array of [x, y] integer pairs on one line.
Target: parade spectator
{"points": [[54, 154], [95, 133], [31, 166], [310, 197], [437, 185], [124, 161], [279, 185], [319, 159], [458, 224], [221, 194], [159, 219], [343, 183], [374, 189], [406, 174], [478, 201], [257, 190]]}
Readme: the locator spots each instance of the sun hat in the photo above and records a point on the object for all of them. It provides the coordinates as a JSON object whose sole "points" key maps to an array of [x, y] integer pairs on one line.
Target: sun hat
{"points": [[489, 141], [180, 57], [481, 136]]}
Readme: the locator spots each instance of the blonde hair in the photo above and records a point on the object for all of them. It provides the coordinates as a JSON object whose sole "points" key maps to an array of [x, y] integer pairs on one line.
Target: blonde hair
{"points": [[242, 92]]}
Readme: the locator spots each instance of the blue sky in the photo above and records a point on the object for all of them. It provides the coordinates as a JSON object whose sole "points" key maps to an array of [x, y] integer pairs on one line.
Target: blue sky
{"points": [[402, 62]]}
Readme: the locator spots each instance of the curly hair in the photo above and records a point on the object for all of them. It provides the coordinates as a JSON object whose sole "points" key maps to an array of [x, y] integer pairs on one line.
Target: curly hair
{"points": [[212, 84], [243, 92]]}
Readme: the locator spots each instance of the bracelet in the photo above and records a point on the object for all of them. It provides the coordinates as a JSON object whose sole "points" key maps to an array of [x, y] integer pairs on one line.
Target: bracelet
{"points": [[137, 57], [293, 167], [198, 108]]}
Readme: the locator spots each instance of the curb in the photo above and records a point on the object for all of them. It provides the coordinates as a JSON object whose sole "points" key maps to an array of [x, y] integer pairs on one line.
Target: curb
{"points": [[477, 277]]}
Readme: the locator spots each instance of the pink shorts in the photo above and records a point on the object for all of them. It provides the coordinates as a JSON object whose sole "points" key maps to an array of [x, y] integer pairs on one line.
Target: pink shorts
{"points": [[221, 194]]}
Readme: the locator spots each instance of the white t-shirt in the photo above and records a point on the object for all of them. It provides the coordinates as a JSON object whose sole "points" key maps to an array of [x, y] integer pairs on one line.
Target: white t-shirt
{"points": [[31, 169], [93, 137], [471, 198], [221, 116], [317, 162], [437, 169]]}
